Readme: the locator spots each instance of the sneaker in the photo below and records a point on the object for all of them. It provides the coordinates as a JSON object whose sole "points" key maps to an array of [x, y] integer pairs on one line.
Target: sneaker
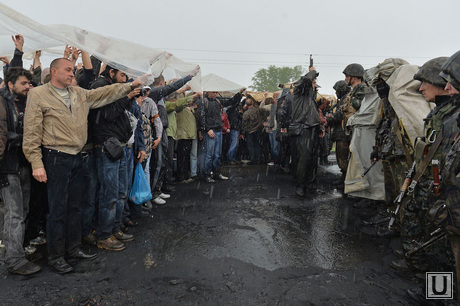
{"points": [[26, 269], [147, 205], [209, 180], [123, 237], [190, 180], [271, 164], [89, 239], [29, 250], [221, 177], [159, 201], [111, 244], [38, 241], [164, 196]]}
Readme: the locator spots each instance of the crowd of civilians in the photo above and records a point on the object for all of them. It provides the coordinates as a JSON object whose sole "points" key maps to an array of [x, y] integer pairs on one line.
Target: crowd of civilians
{"points": [[72, 134]]}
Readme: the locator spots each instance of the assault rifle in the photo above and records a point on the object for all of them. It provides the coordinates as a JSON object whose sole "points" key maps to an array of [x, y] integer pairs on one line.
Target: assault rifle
{"points": [[370, 167], [438, 234], [398, 201], [311, 61]]}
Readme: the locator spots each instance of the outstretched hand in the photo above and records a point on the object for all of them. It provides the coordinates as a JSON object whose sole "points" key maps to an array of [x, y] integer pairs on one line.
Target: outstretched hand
{"points": [[18, 41]]}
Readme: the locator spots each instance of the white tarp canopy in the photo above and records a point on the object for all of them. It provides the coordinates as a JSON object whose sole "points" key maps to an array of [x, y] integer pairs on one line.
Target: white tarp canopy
{"points": [[132, 58], [407, 101], [212, 82]]}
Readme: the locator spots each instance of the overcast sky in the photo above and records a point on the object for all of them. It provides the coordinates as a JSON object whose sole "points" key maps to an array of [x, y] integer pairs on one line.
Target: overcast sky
{"points": [[236, 38]]}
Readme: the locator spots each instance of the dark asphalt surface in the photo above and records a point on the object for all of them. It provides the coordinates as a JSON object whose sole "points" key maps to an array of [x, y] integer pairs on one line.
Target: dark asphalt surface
{"points": [[246, 241]]}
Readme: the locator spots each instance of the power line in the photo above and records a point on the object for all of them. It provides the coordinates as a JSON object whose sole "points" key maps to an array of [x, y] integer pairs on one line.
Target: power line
{"points": [[295, 54]]}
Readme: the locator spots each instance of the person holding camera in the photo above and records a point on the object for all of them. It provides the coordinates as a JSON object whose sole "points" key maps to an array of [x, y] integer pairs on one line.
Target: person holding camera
{"points": [[15, 170], [112, 134]]}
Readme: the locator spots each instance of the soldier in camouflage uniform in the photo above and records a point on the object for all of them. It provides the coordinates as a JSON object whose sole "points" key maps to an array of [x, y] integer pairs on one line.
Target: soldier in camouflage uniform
{"points": [[451, 170], [334, 120], [416, 225], [392, 144], [354, 76]]}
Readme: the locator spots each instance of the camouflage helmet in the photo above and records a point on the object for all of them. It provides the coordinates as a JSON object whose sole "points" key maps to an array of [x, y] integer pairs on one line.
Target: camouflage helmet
{"points": [[429, 72], [340, 86], [354, 70], [450, 70]]}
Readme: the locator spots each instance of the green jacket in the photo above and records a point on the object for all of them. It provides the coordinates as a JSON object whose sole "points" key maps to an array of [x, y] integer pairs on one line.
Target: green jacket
{"points": [[171, 108], [186, 124]]}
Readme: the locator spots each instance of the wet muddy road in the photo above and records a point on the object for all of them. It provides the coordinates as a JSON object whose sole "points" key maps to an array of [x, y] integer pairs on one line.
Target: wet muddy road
{"points": [[246, 241]]}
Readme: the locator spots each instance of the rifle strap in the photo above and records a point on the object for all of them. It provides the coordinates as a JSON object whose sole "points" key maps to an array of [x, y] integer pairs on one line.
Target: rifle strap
{"points": [[429, 156], [399, 136]]}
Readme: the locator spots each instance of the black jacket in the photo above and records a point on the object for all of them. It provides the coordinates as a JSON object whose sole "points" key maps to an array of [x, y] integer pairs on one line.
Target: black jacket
{"points": [[159, 93], [304, 112], [13, 157], [209, 112], [110, 120], [235, 115]]}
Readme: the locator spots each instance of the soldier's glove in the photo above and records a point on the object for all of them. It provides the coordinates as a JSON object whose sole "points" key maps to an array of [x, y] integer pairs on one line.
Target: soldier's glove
{"points": [[375, 153]]}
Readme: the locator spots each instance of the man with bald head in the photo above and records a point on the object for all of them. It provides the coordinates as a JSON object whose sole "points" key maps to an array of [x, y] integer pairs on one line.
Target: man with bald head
{"points": [[55, 131]]}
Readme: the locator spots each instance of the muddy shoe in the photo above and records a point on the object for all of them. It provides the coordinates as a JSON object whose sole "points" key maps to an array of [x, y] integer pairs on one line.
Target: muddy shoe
{"points": [[26, 269], [123, 237], [400, 265], [209, 180], [364, 203], [89, 239], [38, 241], [377, 219], [300, 192], [417, 295], [159, 201], [385, 232], [111, 244], [221, 177], [399, 253], [60, 266]]}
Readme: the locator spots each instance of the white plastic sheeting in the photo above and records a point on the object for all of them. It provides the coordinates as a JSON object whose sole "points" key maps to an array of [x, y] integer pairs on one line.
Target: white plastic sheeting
{"points": [[132, 58], [407, 101], [364, 127], [212, 82]]}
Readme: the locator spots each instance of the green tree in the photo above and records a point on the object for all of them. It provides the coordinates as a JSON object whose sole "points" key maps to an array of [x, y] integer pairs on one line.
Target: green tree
{"points": [[267, 79]]}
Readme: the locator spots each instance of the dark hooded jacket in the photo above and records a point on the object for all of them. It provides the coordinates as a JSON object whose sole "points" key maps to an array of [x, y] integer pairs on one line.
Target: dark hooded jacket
{"points": [[304, 112]]}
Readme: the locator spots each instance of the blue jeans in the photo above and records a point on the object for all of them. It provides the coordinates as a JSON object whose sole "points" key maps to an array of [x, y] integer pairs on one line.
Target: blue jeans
{"points": [[234, 140], [253, 143], [90, 181], [112, 193], [213, 151], [193, 158], [129, 160], [274, 147], [147, 169], [65, 195], [201, 157], [16, 197]]}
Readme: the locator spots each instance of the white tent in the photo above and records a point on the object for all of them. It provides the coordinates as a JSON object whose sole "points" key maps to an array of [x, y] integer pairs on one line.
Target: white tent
{"points": [[212, 82]]}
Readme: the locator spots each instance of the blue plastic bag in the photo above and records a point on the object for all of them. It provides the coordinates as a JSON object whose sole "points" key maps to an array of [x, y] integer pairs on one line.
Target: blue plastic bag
{"points": [[140, 192]]}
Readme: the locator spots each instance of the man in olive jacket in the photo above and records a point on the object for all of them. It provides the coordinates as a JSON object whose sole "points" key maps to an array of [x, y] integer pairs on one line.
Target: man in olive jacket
{"points": [[55, 131]]}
